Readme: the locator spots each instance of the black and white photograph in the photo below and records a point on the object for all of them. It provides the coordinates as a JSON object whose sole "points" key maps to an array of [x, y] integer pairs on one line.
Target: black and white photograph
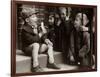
{"points": [[54, 38]]}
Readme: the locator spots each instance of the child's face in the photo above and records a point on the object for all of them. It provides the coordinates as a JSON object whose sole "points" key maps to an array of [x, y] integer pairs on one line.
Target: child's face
{"points": [[57, 16], [63, 13], [85, 20], [33, 19], [77, 22], [51, 20]]}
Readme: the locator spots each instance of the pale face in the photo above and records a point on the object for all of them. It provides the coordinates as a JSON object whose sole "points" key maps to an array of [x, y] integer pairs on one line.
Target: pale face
{"points": [[63, 13], [32, 20], [51, 20], [85, 20], [77, 23]]}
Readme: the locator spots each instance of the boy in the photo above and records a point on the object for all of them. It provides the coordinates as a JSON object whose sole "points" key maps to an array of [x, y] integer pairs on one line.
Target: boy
{"points": [[35, 41], [81, 45]]}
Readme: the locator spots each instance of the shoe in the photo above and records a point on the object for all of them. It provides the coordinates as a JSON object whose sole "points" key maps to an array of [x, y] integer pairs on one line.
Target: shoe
{"points": [[37, 69], [53, 66]]}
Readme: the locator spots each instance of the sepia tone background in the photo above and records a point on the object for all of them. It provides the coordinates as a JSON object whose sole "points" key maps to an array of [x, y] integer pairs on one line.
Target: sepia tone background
{"points": [[5, 39], [61, 46]]}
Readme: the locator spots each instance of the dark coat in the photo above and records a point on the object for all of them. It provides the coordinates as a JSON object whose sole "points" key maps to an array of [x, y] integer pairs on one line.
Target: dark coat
{"points": [[28, 37], [51, 33]]}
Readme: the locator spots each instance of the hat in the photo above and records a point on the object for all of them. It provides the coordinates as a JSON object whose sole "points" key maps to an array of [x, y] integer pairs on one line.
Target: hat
{"points": [[28, 10]]}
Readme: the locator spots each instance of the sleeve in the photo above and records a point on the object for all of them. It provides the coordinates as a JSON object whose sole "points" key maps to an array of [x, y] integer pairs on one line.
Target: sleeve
{"points": [[29, 38], [45, 36]]}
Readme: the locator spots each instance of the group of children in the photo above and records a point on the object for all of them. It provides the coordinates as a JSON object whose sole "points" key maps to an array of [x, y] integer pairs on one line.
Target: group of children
{"points": [[38, 38]]}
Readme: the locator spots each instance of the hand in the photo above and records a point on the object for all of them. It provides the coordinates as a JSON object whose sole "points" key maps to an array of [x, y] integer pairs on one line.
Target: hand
{"points": [[59, 22], [35, 31], [43, 28], [83, 28], [48, 42]]}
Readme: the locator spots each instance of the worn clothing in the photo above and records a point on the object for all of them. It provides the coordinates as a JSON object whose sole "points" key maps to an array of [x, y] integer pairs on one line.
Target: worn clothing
{"points": [[51, 33], [62, 33], [29, 37], [80, 47]]}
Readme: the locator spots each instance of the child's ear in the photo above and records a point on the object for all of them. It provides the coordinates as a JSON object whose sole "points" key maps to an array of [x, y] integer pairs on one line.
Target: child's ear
{"points": [[27, 19]]}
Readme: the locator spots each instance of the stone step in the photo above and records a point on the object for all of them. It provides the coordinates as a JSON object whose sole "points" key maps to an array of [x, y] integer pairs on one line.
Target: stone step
{"points": [[23, 63]]}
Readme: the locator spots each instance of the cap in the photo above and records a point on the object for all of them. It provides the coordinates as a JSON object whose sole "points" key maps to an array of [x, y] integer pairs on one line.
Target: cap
{"points": [[28, 10]]}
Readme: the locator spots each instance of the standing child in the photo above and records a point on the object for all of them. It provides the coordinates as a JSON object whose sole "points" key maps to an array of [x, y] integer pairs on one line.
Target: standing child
{"points": [[81, 40]]}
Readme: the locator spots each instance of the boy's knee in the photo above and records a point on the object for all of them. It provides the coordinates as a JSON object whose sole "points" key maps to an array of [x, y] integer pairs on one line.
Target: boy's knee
{"points": [[36, 45]]}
